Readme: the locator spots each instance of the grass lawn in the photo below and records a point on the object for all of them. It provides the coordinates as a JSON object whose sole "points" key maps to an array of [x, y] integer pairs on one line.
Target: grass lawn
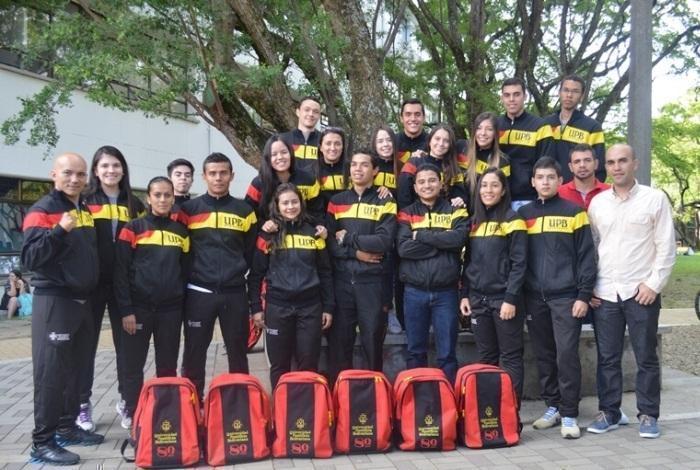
{"points": [[684, 283]]}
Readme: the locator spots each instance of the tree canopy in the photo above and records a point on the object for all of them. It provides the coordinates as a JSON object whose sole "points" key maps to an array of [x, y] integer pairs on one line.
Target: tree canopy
{"points": [[241, 64]]}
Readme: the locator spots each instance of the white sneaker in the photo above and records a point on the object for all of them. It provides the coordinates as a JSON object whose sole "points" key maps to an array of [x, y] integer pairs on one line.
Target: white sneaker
{"points": [[84, 419], [393, 324], [549, 419], [123, 416], [570, 429]]}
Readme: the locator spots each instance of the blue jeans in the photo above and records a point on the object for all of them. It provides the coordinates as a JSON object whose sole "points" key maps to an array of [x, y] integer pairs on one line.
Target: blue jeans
{"points": [[439, 308]]}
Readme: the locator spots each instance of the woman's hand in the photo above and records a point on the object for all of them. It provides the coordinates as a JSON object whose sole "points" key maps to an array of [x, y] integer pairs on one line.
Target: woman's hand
{"points": [[259, 320], [507, 311], [321, 231], [326, 320], [457, 202], [270, 227]]}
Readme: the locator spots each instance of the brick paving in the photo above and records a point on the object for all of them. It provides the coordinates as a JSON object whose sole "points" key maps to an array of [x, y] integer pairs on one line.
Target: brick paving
{"points": [[679, 446]]}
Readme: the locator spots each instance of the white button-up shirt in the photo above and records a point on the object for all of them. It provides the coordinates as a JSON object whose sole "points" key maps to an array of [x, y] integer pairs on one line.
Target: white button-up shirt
{"points": [[635, 240]]}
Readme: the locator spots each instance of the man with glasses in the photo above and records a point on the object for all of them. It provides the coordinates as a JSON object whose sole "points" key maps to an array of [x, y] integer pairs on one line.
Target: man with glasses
{"points": [[571, 127]]}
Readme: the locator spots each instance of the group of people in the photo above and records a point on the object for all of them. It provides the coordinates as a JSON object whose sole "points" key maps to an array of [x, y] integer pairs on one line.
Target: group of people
{"points": [[407, 233]]}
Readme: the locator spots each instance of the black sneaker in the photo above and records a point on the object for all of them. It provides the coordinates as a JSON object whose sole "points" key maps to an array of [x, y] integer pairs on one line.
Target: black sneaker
{"points": [[78, 437], [53, 454]]}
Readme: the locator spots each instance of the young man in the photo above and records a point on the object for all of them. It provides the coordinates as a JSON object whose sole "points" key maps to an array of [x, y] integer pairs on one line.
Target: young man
{"points": [[633, 230], [583, 165], [60, 247], [524, 137], [571, 127], [413, 139], [430, 239], [181, 173], [305, 138], [558, 286], [222, 233], [361, 229]]}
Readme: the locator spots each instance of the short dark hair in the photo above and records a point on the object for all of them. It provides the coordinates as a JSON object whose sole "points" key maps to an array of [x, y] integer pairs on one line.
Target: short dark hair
{"points": [[429, 167], [368, 152], [573, 78], [546, 163], [514, 81], [308, 97], [581, 148], [216, 157], [179, 162], [413, 101], [159, 179]]}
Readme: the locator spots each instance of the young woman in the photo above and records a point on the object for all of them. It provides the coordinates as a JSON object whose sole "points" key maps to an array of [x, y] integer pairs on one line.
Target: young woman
{"points": [[430, 239], [299, 298], [16, 286], [331, 164], [112, 204], [493, 276], [483, 152], [149, 285], [277, 167], [441, 153]]}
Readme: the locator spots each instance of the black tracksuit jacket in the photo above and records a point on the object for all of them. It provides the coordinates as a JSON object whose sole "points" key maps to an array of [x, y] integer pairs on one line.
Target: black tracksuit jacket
{"points": [[496, 259], [64, 263], [433, 260], [561, 255], [305, 150], [407, 177], [151, 260]]}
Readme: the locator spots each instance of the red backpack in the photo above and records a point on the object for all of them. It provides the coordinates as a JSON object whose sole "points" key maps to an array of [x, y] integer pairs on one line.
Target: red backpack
{"points": [[302, 416], [426, 414], [237, 420], [488, 407], [165, 430], [362, 402]]}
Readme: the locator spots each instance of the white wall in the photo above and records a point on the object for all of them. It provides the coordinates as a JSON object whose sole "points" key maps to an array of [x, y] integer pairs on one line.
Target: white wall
{"points": [[148, 144]]}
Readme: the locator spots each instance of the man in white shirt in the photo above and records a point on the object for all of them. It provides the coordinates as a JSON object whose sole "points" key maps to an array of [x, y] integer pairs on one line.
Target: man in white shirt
{"points": [[633, 230]]}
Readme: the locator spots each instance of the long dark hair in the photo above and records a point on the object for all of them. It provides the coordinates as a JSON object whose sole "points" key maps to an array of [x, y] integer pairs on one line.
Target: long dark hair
{"points": [[268, 176], [392, 136], [498, 212], [449, 160], [278, 238], [95, 184], [495, 157]]}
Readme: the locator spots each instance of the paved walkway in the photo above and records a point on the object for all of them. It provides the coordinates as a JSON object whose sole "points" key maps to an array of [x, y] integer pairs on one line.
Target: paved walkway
{"points": [[679, 446]]}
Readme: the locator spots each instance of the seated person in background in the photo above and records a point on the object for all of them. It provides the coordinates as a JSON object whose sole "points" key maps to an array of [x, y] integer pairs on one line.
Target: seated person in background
{"points": [[14, 288]]}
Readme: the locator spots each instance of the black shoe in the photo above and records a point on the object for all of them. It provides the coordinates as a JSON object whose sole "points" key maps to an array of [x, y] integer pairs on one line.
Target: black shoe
{"points": [[53, 454], [78, 437]]}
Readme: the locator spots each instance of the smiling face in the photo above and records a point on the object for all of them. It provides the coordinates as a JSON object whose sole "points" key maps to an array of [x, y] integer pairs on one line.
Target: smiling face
{"points": [[427, 186], [440, 143], [69, 175], [412, 119], [308, 113], [491, 190], [362, 172], [332, 147], [109, 171], [289, 205], [161, 198], [485, 134], [384, 146], [280, 158]]}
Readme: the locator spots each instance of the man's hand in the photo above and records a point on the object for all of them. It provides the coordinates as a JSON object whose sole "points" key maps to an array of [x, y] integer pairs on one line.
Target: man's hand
{"points": [[645, 295], [507, 311], [259, 320], [465, 307], [457, 202], [340, 235], [369, 257], [579, 309], [326, 320], [68, 221], [129, 324], [595, 302]]}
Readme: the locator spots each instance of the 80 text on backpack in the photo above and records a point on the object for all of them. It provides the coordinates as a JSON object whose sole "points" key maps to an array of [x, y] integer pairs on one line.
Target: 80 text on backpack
{"points": [[237, 420], [362, 401], [426, 414], [303, 416], [487, 406], [165, 433]]}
